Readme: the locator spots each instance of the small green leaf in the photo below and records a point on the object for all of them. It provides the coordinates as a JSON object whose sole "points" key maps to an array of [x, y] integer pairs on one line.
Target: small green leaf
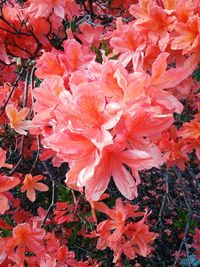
{"points": [[64, 194], [99, 57], [182, 221], [197, 75], [72, 25], [70, 224], [114, 57], [75, 231], [105, 47]]}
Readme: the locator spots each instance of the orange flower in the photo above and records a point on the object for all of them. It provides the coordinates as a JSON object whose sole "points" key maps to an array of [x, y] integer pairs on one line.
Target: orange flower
{"points": [[17, 119], [31, 185]]}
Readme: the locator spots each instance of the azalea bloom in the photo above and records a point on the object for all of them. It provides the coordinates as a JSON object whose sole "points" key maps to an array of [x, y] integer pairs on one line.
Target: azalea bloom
{"points": [[103, 90], [188, 38], [126, 40], [140, 239], [48, 65], [62, 213], [112, 163], [162, 78], [122, 236], [154, 20], [190, 132], [175, 149], [24, 237], [66, 257], [90, 35], [17, 119], [6, 183], [44, 8], [31, 184]]}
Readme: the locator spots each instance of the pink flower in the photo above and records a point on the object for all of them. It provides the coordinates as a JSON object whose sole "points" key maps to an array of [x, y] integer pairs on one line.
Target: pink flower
{"points": [[44, 8]]}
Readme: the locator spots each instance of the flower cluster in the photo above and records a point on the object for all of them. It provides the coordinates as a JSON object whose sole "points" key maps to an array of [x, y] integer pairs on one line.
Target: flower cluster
{"points": [[109, 89]]}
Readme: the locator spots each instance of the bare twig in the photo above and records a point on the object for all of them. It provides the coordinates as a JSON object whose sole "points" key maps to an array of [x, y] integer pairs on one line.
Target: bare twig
{"points": [[53, 193], [189, 217], [20, 155], [91, 9], [163, 200], [11, 91], [32, 111], [37, 154], [26, 88], [31, 89]]}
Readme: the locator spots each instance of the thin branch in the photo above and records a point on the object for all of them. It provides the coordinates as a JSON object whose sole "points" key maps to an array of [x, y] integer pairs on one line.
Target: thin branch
{"points": [[31, 89], [51, 206], [189, 217], [26, 88], [11, 91], [163, 200], [91, 9], [32, 111], [20, 155], [37, 154]]}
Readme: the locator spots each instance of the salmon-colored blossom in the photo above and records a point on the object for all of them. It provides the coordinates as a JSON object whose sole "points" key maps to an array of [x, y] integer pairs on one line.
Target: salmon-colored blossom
{"points": [[154, 20], [121, 234], [190, 133], [188, 39], [17, 119], [24, 238], [174, 148], [190, 130], [44, 8], [31, 184]]}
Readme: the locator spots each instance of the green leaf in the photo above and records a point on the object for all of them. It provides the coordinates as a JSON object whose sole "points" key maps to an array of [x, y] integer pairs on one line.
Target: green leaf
{"points": [[99, 57], [72, 25], [64, 194], [5, 233], [70, 224], [114, 57], [197, 75], [37, 82], [75, 231], [182, 221], [105, 47]]}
